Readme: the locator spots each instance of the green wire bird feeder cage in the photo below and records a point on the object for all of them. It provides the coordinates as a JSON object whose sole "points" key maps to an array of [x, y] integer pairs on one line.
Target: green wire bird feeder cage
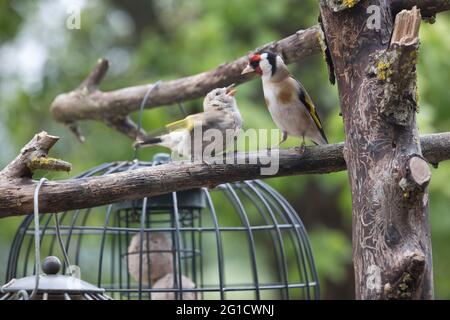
{"points": [[237, 241]]}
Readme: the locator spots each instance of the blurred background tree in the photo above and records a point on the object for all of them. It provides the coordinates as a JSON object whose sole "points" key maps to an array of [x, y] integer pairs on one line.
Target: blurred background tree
{"points": [[165, 39]]}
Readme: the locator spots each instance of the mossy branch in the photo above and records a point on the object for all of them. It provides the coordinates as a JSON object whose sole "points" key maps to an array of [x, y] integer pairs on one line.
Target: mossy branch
{"points": [[49, 164], [34, 156]]}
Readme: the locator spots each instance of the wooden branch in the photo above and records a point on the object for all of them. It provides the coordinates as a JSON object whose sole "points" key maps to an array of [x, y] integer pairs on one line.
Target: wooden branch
{"points": [[427, 8], [87, 102], [16, 195], [93, 80], [406, 28], [32, 157], [396, 68], [434, 147]]}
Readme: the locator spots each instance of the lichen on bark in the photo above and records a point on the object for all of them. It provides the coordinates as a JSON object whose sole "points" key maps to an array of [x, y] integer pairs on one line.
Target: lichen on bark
{"points": [[49, 164], [339, 5]]}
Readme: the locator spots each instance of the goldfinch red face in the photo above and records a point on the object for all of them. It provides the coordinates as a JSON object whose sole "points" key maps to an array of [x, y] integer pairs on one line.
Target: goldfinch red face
{"points": [[253, 65], [264, 64]]}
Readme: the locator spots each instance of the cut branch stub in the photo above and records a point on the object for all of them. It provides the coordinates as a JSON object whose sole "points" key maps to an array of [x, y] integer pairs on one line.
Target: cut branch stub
{"points": [[96, 76], [397, 67], [408, 281], [34, 156], [417, 175], [75, 129], [419, 171], [406, 28]]}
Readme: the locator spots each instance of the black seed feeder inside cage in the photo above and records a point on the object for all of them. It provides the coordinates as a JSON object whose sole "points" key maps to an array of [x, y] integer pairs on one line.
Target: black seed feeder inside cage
{"points": [[238, 241]]}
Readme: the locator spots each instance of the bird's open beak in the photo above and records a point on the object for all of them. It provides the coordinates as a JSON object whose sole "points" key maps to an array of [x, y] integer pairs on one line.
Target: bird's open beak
{"points": [[248, 69], [231, 90]]}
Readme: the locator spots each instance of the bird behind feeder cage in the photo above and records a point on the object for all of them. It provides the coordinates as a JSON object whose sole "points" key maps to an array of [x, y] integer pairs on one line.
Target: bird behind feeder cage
{"points": [[237, 241]]}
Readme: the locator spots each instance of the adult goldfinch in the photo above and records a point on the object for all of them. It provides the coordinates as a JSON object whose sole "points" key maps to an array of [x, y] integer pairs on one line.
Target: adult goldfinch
{"points": [[289, 104], [202, 135]]}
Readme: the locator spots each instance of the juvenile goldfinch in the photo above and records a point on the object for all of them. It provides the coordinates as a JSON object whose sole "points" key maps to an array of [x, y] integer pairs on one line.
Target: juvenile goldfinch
{"points": [[220, 113], [289, 104]]}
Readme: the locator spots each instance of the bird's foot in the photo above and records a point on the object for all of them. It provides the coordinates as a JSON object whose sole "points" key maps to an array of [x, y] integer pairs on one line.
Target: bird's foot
{"points": [[301, 150]]}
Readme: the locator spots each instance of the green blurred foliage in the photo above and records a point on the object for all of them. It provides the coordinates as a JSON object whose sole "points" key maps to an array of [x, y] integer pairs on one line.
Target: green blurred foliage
{"points": [[150, 40], [336, 245]]}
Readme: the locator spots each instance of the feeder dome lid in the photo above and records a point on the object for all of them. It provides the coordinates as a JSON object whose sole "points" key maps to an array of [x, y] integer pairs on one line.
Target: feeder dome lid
{"points": [[51, 282]]}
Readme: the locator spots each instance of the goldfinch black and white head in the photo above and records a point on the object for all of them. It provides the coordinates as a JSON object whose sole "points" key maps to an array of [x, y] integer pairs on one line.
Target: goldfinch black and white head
{"points": [[268, 65]]}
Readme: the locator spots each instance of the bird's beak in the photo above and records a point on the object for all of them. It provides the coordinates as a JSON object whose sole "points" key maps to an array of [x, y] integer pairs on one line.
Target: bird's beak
{"points": [[248, 69], [231, 90]]}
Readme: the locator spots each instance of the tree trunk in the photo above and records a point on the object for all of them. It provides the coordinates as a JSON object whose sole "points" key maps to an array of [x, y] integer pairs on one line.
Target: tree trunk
{"points": [[376, 73]]}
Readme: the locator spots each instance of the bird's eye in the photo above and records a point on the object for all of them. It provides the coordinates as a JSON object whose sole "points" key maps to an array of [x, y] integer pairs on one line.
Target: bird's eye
{"points": [[217, 93], [255, 63]]}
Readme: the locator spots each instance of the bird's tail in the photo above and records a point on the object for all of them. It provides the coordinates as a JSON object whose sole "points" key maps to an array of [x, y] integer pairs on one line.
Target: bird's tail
{"points": [[320, 139], [147, 142]]}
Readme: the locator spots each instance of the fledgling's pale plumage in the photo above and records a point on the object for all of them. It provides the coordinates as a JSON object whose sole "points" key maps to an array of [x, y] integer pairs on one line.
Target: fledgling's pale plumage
{"points": [[220, 113], [289, 104]]}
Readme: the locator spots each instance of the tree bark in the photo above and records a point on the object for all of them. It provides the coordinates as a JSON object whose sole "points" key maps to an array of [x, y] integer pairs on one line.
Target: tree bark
{"points": [[377, 89], [17, 187]]}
